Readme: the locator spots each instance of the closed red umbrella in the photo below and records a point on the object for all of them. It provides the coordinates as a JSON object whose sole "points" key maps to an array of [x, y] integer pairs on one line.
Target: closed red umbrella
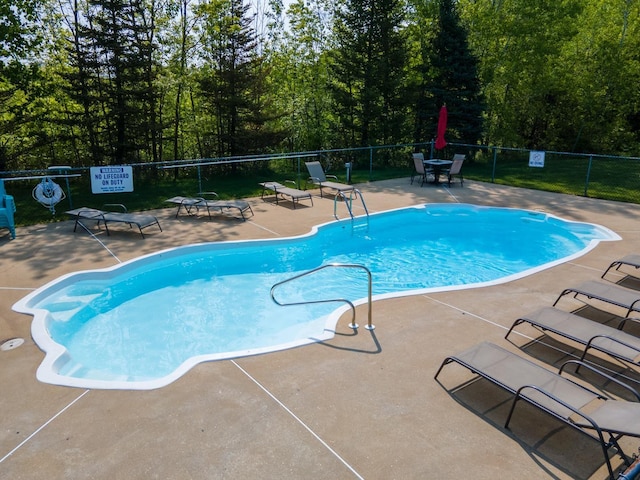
{"points": [[442, 127]]}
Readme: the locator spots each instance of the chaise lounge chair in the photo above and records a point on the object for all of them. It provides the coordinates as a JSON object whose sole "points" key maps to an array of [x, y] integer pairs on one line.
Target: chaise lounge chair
{"points": [[591, 334], [141, 220], [573, 404], [611, 293], [286, 192], [632, 260], [318, 178], [221, 206], [7, 209]]}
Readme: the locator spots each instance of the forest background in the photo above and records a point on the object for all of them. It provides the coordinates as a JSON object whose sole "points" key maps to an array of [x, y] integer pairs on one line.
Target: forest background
{"points": [[97, 82]]}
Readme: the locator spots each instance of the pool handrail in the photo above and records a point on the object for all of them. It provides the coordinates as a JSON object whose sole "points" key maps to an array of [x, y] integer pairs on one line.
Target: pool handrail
{"points": [[353, 323], [348, 202]]}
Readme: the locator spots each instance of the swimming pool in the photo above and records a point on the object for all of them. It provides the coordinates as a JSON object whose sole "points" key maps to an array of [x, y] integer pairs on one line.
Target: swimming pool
{"points": [[144, 323]]}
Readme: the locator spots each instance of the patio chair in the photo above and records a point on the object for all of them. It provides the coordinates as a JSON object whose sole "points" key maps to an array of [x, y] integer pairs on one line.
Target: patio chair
{"points": [[419, 168], [7, 209], [141, 220], [589, 333], [319, 179], [285, 192], [455, 170], [626, 298], [631, 260], [579, 407]]}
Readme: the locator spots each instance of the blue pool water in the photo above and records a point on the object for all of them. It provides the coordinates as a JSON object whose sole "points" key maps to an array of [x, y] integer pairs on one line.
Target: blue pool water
{"points": [[144, 323]]}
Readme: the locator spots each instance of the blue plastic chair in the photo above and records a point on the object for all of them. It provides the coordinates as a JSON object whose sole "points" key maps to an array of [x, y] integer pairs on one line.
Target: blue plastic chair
{"points": [[7, 208]]}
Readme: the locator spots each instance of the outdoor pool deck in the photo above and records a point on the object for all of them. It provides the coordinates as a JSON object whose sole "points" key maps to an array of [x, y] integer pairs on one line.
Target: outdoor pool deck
{"points": [[357, 406]]}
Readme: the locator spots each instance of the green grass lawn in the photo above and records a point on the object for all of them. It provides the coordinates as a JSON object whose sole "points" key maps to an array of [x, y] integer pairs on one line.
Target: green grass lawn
{"points": [[610, 179]]}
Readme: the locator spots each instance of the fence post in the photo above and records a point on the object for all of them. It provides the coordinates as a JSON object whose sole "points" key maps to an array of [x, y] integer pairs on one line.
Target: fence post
{"points": [[370, 162], [493, 170], [586, 183]]}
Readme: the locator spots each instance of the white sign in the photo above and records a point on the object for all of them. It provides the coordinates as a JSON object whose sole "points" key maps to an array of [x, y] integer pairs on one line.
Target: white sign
{"points": [[536, 159], [111, 179]]}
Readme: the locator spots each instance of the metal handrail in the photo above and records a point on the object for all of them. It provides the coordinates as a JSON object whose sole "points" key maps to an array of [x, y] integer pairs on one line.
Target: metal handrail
{"points": [[353, 323], [348, 202]]}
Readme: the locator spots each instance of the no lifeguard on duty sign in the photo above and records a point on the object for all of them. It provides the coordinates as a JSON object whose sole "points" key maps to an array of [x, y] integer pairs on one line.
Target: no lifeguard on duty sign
{"points": [[111, 179]]}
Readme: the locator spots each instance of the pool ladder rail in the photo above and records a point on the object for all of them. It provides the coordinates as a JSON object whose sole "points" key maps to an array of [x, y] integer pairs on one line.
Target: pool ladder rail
{"points": [[353, 323], [348, 202]]}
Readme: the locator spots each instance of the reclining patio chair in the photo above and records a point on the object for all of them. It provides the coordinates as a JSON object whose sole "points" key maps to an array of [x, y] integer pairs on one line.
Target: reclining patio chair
{"points": [[631, 260], [611, 293], [285, 192], [194, 204], [589, 333], [7, 209], [319, 178], [455, 170], [575, 405], [141, 220]]}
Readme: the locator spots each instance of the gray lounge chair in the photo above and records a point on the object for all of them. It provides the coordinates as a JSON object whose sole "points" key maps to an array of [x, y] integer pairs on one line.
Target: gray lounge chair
{"points": [[611, 293], [577, 406], [319, 178], [141, 220], [285, 192], [589, 333], [191, 204], [632, 260]]}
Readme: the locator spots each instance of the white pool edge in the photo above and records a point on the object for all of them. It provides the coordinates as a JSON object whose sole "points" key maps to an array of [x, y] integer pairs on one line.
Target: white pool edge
{"points": [[55, 353]]}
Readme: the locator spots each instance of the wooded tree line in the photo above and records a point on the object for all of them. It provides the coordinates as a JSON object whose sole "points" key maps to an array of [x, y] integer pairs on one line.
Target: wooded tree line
{"points": [[91, 82]]}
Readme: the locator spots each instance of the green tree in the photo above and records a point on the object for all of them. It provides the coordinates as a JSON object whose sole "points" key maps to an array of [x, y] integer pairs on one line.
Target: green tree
{"points": [[233, 82], [368, 71], [454, 77]]}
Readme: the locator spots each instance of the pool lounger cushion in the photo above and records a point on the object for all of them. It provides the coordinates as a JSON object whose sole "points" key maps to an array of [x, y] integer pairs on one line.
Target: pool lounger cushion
{"points": [[588, 333], [281, 190], [612, 293], [577, 406], [141, 220], [222, 206]]}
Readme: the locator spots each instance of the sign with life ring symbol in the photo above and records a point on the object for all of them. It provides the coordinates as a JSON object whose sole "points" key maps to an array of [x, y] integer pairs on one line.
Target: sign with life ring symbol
{"points": [[48, 193]]}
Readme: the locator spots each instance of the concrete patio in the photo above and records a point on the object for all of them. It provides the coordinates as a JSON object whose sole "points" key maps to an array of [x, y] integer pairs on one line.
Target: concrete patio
{"points": [[357, 406]]}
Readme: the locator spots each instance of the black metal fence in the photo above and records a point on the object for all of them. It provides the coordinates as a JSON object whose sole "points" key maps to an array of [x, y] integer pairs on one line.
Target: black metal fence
{"points": [[599, 176]]}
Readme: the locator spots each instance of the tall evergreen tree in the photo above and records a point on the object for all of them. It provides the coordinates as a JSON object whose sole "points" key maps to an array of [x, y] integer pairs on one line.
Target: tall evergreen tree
{"points": [[111, 49], [455, 81], [233, 81], [368, 68]]}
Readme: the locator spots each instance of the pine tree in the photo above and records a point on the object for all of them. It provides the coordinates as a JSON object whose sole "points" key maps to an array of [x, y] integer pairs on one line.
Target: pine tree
{"points": [[368, 67], [233, 82], [455, 78]]}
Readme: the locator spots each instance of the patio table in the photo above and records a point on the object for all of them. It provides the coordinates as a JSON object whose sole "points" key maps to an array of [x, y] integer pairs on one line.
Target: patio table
{"points": [[437, 165]]}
